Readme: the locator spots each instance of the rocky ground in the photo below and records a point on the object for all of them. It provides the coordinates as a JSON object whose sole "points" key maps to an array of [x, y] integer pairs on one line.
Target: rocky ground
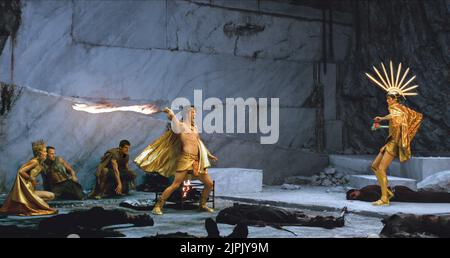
{"points": [[192, 222]]}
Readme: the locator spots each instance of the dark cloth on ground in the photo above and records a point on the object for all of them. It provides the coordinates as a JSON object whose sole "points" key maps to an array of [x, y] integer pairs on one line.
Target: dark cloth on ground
{"points": [[258, 215], [173, 235], [13, 231], [239, 231], [409, 225], [372, 193], [68, 190], [91, 220]]}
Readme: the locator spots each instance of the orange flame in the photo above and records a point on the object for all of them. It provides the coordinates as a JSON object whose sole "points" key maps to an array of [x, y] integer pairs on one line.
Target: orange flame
{"points": [[146, 109], [186, 187]]}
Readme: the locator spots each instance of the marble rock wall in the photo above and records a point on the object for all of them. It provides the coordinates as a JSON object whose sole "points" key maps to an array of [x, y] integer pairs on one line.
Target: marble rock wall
{"points": [[156, 51], [412, 32]]}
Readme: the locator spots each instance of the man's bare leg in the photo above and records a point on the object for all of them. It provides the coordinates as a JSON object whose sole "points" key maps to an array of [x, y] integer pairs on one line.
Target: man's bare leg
{"points": [[179, 178], [207, 181], [382, 171]]}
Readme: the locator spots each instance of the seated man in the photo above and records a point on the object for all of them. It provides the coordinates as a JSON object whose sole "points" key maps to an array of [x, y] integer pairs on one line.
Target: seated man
{"points": [[372, 193], [114, 177], [60, 178]]}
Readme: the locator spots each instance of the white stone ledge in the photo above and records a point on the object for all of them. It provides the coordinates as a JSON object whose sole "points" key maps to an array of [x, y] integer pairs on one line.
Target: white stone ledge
{"points": [[421, 167], [360, 181], [236, 180]]}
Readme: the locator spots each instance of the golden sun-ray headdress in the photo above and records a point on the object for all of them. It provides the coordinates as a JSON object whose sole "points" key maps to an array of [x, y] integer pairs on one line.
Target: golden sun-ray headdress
{"points": [[394, 85], [37, 147]]}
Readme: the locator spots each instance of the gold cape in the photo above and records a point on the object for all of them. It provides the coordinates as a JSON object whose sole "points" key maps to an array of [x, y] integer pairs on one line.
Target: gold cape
{"points": [[403, 126], [23, 201], [162, 155]]}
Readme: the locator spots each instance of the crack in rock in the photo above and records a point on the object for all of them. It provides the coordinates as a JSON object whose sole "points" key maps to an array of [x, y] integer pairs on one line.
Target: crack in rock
{"points": [[231, 29]]}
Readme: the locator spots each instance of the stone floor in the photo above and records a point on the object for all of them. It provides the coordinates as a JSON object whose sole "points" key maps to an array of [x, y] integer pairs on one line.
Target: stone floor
{"points": [[192, 221], [333, 199]]}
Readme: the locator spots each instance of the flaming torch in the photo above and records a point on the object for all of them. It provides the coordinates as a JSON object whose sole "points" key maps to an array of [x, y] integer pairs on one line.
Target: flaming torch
{"points": [[146, 109]]}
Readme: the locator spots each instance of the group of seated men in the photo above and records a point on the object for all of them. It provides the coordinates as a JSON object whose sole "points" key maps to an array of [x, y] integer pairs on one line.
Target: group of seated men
{"points": [[113, 175]]}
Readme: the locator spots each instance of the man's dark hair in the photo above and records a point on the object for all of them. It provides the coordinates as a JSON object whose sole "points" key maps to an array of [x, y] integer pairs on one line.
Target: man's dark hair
{"points": [[124, 143], [50, 147], [349, 192]]}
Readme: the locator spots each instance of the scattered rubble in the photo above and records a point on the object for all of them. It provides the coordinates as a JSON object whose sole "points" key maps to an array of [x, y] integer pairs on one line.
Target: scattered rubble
{"points": [[330, 177], [290, 187]]}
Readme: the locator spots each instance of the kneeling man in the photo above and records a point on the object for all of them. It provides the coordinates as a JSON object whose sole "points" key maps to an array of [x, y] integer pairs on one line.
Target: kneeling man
{"points": [[114, 177]]}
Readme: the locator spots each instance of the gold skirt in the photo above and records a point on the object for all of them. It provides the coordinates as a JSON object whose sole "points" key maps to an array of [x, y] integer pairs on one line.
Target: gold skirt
{"points": [[189, 162], [391, 147], [165, 156]]}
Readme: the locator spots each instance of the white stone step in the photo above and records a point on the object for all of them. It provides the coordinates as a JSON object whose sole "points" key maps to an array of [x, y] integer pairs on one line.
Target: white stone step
{"points": [[358, 164], [236, 180], [421, 167], [416, 168], [360, 181]]}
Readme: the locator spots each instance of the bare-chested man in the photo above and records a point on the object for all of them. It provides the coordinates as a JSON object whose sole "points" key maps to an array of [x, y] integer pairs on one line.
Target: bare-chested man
{"points": [[187, 156]]}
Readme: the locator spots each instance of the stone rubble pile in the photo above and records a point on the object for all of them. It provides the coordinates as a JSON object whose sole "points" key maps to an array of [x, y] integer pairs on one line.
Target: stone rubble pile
{"points": [[329, 177]]}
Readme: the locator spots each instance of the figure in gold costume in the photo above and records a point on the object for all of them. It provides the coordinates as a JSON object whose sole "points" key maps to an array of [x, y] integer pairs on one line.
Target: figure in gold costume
{"points": [[23, 199], [403, 125], [179, 152]]}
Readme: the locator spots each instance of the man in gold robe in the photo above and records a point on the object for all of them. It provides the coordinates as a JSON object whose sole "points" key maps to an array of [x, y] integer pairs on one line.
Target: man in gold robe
{"points": [[403, 123], [181, 154]]}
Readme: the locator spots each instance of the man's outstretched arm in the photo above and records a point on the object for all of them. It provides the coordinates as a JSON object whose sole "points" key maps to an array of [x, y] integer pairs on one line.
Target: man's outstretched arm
{"points": [[175, 123]]}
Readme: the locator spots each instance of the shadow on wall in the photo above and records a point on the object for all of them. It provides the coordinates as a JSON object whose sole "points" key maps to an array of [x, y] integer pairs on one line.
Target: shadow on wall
{"points": [[10, 17], [6, 97], [8, 94]]}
